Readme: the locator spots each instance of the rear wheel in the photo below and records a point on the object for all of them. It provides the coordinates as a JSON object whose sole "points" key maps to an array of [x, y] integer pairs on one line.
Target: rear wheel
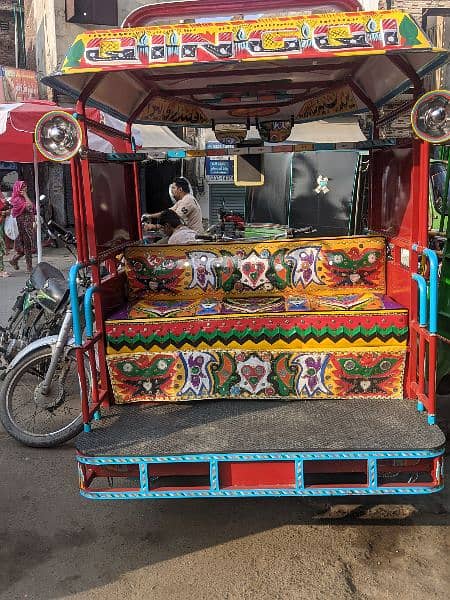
{"points": [[36, 419]]}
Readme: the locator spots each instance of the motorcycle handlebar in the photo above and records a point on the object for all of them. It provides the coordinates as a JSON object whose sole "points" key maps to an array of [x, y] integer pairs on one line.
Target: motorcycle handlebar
{"points": [[61, 233]]}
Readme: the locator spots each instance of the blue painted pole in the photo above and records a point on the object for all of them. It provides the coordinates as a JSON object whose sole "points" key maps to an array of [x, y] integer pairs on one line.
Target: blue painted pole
{"points": [[73, 288], [422, 285], [434, 265], [88, 312]]}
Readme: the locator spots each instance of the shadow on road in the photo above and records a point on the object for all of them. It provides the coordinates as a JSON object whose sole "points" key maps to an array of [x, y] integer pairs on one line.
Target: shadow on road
{"points": [[48, 528]]}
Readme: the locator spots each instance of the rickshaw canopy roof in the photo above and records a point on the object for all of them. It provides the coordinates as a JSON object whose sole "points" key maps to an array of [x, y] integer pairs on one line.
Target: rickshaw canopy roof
{"points": [[300, 68]]}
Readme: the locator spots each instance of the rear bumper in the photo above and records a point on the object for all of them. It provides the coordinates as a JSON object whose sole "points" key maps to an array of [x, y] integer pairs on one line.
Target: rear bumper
{"points": [[262, 474]]}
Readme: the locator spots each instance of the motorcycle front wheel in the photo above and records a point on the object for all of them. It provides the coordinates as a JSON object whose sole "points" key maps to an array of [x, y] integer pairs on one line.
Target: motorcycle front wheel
{"points": [[35, 419]]}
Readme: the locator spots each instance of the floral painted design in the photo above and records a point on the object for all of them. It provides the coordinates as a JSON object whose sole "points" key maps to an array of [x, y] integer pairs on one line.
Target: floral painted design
{"points": [[311, 378], [304, 261], [197, 379]]}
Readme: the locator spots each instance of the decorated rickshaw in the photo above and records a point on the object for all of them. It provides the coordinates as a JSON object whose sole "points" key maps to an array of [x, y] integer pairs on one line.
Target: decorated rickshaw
{"points": [[268, 367]]}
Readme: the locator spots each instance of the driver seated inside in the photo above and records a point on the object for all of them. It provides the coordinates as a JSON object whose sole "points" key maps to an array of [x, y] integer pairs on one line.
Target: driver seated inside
{"points": [[174, 230], [185, 206]]}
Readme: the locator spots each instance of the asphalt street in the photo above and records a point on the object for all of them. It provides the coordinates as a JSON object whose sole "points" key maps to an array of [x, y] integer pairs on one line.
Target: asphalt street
{"points": [[54, 544]]}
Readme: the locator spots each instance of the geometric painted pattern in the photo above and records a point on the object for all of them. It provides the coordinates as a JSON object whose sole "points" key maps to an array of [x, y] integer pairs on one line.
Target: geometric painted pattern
{"points": [[147, 308], [296, 36], [263, 332]]}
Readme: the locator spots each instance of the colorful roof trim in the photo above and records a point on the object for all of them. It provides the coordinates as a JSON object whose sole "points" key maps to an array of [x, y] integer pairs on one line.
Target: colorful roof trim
{"points": [[283, 37], [297, 68]]}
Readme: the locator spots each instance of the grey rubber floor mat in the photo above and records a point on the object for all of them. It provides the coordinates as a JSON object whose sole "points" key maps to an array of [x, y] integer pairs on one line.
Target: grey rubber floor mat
{"points": [[233, 426]]}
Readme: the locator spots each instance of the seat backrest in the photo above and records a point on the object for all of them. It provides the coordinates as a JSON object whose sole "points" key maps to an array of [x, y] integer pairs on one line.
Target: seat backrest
{"points": [[268, 268]]}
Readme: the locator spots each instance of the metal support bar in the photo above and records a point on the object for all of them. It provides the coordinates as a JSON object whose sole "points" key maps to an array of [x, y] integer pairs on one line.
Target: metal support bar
{"points": [[143, 477], [214, 475], [368, 102], [372, 473], [407, 70], [96, 125], [433, 292], [77, 331], [422, 285], [88, 311], [406, 106], [57, 351], [372, 487], [434, 266], [299, 475]]}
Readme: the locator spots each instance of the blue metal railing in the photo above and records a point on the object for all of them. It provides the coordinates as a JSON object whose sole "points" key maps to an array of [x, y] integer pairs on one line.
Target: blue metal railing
{"points": [[432, 299], [88, 310], [428, 298], [422, 285], [74, 304]]}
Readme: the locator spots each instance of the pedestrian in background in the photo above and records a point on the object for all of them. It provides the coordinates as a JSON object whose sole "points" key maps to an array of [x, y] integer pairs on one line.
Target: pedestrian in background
{"points": [[4, 211], [22, 209]]}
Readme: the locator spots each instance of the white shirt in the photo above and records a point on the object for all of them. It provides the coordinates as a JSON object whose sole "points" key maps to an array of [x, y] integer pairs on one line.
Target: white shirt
{"points": [[188, 209], [182, 235]]}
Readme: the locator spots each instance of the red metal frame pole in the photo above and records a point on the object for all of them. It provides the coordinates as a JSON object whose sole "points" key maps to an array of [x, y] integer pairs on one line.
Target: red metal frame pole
{"points": [[423, 193], [80, 227], [92, 254], [130, 148]]}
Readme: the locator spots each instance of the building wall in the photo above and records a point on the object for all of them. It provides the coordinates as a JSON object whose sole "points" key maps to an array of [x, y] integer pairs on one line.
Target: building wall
{"points": [[47, 38], [7, 35], [414, 7], [48, 35], [438, 30]]}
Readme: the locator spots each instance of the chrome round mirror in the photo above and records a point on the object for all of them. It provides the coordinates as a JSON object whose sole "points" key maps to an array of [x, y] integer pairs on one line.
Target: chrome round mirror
{"points": [[430, 117], [58, 136]]}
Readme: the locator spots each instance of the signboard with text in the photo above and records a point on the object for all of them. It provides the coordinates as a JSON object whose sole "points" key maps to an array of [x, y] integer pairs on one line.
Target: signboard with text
{"points": [[218, 169], [18, 85]]}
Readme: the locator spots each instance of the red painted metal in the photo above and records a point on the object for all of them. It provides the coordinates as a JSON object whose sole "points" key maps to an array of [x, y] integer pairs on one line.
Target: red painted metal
{"points": [[137, 196], [255, 475], [423, 192], [398, 209], [78, 217], [419, 336], [391, 213], [204, 8], [426, 343]]}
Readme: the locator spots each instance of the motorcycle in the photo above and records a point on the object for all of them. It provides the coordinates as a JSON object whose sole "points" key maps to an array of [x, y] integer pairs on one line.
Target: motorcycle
{"points": [[40, 397], [40, 306]]}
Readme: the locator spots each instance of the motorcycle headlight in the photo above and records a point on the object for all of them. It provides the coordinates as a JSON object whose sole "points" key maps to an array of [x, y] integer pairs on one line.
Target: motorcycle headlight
{"points": [[58, 136]]}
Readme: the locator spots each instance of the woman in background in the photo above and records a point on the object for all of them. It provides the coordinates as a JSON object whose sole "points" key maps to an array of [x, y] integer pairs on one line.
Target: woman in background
{"points": [[4, 211], [24, 212]]}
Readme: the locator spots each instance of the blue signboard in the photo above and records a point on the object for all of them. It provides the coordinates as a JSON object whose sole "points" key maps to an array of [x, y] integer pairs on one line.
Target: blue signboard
{"points": [[8, 166], [218, 168]]}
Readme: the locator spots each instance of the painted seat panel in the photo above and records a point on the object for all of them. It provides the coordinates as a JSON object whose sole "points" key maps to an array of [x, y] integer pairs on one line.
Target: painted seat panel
{"points": [[316, 266], [287, 319]]}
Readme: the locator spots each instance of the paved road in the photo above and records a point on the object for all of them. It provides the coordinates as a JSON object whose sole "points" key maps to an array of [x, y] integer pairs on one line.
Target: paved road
{"points": [[53, 544]]}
